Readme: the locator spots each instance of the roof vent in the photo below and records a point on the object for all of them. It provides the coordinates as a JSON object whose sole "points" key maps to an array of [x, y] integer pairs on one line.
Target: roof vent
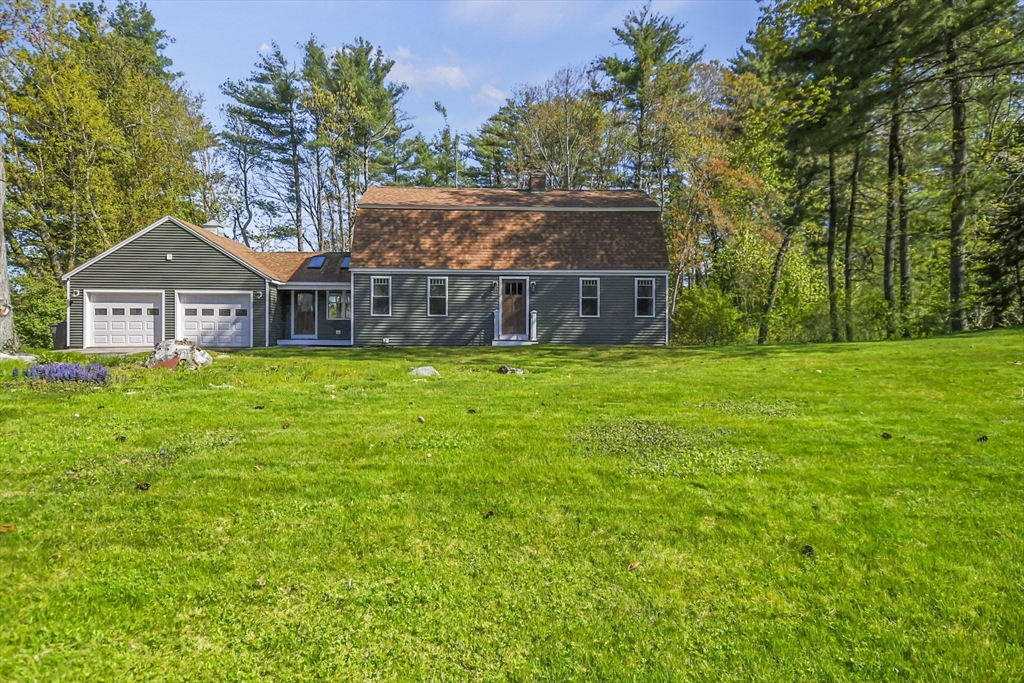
{"points": [[216, 228], [538, 182]]}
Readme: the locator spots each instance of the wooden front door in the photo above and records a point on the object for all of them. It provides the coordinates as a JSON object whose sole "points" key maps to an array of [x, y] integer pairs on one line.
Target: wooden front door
{"points": [[513, 307], [305, 314]]}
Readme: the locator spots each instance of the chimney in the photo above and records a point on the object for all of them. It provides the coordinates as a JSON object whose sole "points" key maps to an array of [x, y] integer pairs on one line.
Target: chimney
{"points": [[215, 227], [538, 182]]}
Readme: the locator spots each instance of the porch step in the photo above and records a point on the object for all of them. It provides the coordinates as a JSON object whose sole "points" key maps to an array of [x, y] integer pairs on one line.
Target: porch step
{"points": [[512, 342]]}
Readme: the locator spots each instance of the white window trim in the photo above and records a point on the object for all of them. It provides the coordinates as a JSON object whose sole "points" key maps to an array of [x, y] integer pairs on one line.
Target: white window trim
{"points": [[636, 297], [179, 308], [380, 277], [598, 281], [327, 301], [437, 315], [316, 315]]}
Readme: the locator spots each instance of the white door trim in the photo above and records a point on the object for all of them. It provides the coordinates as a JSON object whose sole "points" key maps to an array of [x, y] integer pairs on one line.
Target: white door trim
{"points": [[316, 315], [87, 312], [501, 312], [179, 316]]}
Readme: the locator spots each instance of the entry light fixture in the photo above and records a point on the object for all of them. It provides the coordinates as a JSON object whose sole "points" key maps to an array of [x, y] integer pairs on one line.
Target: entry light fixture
{"points": [[533, 286], [257, 294], [75, 293], [494, 285]]}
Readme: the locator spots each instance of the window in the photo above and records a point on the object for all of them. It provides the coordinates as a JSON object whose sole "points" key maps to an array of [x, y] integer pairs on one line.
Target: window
{"points": [[241, 312], [316, 262], [100, 311], [345, 262], [644, 297], [437, 296], [590, 297], [380, 296], [226, 312], [514, 288], [207, 311], [135, 311], [339, 305], [152, 311], [191, 311], [117, 311]]}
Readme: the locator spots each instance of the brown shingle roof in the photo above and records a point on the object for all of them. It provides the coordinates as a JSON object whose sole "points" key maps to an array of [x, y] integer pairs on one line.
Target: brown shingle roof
{"points": [[507, 239], [330, 271], [479, 198]]}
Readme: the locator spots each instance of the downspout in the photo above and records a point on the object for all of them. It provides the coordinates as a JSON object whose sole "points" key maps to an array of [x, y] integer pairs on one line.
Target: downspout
{"points": [[266, 313]]}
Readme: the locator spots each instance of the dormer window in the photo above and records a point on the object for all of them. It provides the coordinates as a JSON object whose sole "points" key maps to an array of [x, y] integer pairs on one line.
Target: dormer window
{"points": [[316, 262]]}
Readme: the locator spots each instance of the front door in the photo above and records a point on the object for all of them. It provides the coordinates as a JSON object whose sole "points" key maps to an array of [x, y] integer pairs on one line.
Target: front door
{"points": [[304, 322], [513, 307]]}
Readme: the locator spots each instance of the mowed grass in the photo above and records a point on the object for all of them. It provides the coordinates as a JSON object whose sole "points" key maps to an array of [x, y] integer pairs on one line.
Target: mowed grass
{"points": [[302, 523]]}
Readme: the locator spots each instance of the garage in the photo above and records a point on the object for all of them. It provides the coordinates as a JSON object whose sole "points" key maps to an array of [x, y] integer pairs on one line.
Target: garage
{"points": [[217, 320], [124, 318]]}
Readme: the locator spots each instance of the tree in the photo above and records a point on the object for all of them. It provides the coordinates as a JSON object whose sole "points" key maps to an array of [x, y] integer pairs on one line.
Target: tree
{"points": [[653, 42], [8, 335]]}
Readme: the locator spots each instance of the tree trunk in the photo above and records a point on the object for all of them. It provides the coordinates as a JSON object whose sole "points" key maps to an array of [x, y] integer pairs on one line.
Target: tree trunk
{"points": [[8, 336], [773, 285], [296, 176], [901, 171], [891, 216], [848, 247], [958, 179], [833, 221]]}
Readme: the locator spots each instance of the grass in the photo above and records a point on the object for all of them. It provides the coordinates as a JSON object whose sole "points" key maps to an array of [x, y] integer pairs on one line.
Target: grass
{"points": [[303, 524]]}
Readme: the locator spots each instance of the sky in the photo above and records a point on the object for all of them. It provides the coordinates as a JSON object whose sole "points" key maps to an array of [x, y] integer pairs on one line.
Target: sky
{"points": [[467, 54]]}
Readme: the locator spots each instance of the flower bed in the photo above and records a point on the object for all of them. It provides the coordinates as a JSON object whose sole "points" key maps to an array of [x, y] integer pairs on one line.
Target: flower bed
{"points": [[94, 373]]}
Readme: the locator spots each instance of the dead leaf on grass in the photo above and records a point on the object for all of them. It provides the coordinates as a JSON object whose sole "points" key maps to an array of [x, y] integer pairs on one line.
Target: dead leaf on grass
{"points": [[633, 565], [4, 528]]}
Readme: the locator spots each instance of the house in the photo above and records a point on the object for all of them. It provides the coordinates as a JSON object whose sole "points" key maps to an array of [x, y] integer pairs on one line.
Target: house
{"points": [[429, 266]]}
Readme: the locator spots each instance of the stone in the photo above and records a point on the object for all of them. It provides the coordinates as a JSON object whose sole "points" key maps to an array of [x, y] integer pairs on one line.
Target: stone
{"points": [[168, 351], [19, 358], [509, 370], [425, 371]]}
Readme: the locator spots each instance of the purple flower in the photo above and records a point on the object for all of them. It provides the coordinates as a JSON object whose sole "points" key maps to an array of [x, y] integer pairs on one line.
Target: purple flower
{"points": [[94, 373]]}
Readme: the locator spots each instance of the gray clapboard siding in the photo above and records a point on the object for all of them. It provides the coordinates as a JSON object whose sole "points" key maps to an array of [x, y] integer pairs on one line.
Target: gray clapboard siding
{"points": [[143, 264], [472, 301]]}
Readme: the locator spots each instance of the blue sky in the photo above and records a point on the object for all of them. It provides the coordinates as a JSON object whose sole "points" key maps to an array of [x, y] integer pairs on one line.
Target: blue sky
{"points": [[466, 53]]}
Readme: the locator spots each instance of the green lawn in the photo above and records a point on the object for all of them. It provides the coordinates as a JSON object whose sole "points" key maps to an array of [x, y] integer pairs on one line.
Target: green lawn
{"points": [[303, 524]]}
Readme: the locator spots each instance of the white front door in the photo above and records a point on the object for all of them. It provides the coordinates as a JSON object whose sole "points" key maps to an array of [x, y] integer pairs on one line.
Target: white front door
{"points": [[124, 319], [216, 320]]}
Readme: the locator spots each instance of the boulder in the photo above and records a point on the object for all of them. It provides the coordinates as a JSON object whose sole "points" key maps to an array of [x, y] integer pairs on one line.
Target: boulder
{"points": [[425, 371], [169, 353], [19, 358]]}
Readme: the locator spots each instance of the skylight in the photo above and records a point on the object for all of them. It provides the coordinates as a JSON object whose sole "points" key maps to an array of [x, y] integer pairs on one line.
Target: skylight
{"points": [[345, 262], [316, 262]]}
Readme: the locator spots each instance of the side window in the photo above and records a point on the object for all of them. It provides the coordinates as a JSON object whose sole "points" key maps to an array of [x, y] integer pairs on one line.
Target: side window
{"points": [[339, 305], [380, 296], [437, 296], [590, 297], [645, 297]]}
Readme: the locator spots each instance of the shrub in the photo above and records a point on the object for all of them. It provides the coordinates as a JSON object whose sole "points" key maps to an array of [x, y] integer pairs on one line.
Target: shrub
{"points": [[38, 302], [94, 373]]}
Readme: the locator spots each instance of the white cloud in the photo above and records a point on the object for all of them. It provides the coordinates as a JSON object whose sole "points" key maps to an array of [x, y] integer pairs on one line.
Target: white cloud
{"points": [[264, 47], [488, 94], [409, 69]]}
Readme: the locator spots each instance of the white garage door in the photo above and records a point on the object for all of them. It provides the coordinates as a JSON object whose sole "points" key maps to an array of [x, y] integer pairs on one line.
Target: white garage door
{"points": [[124, 319], [216, 320]]}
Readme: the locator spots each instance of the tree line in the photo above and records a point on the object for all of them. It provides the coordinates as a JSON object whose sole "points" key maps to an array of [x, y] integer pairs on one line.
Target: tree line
{"points": [[853, 173]]}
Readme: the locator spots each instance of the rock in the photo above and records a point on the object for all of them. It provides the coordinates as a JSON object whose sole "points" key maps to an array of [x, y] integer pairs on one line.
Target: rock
{"points": [[509, 370], [170, 352], [26, 358], [807, 551], [886, 435], [425, 371], [983, 438], [421, 419]]}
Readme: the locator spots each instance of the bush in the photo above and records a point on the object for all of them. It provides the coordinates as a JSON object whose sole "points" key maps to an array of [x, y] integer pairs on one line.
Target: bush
{"points": [[706, 315], [38, 303], [94, 373]]}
